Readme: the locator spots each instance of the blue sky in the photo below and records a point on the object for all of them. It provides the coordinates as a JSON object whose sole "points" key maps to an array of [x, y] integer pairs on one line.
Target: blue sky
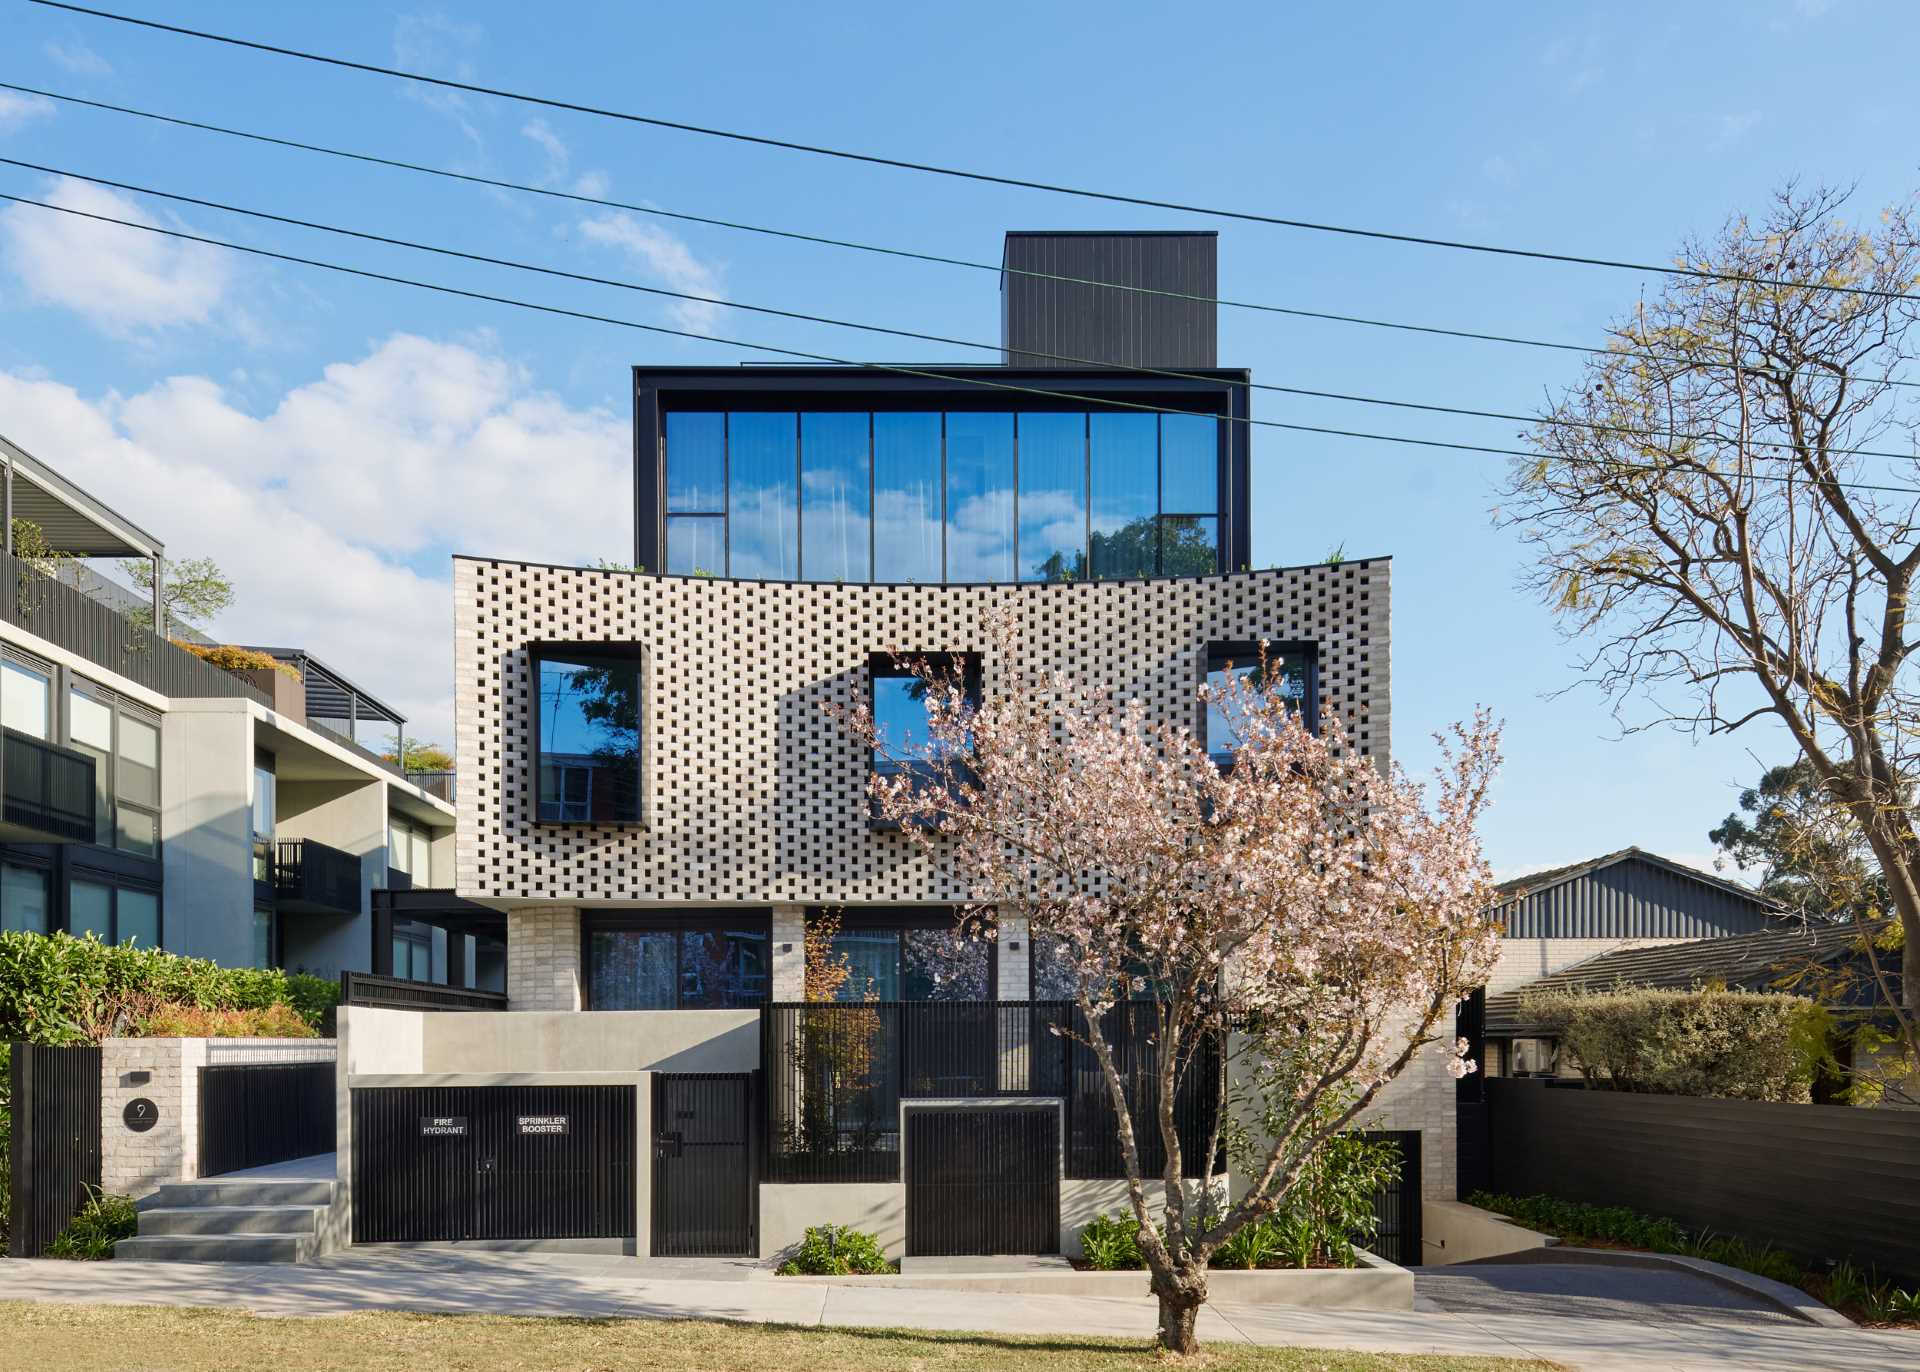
{"points": [[331, 442]]}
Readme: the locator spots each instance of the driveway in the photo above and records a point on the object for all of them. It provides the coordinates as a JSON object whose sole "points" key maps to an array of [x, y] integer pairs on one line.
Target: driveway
{"points": [[1564, 1290], [1664, 1334]]}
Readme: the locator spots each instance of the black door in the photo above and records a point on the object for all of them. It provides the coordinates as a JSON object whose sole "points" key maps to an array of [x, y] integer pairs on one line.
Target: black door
{"points": [[437, 1164], [983, 1181], [1396, 1206], [703, 1182]]}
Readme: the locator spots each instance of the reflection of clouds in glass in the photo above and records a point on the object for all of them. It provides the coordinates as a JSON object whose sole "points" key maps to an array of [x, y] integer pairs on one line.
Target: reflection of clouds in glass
{"points": [[1052, 530], [764, 535], [906, 533], [834, 525], [980, 537]]}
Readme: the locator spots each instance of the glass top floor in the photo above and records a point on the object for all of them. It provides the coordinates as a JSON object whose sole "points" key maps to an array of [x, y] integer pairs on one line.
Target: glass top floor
{"points": [[954, 486]]}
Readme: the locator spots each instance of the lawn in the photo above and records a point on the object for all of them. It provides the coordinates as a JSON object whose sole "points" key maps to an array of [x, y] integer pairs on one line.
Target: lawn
{"points": [[102, 1338]]}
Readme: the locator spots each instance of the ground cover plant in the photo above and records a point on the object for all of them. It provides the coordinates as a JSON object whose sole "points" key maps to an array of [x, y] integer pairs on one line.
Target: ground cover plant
{"points": [[835, 1250]]}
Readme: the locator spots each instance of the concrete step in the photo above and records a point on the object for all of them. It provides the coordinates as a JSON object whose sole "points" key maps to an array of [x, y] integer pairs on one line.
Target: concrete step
{"points": [[182, 1195], [232, 1219], [216, 1248]]}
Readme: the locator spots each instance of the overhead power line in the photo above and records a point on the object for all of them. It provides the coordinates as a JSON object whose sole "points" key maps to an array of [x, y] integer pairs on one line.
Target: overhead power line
{"points": [[834, 322], [853, 245], [965, 377], [964, 173]]}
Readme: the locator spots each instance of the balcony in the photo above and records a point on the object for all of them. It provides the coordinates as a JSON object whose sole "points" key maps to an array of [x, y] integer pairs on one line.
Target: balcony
{"points": [[312, 878], [49, 792], [836, 1075]]}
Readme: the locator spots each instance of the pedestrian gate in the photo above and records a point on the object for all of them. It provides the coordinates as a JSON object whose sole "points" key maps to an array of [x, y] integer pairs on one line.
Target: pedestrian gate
{"points": [[704, 1187]]}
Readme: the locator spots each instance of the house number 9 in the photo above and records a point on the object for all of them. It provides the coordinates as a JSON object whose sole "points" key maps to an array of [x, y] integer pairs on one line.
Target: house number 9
{"points": [[141, 1114]]}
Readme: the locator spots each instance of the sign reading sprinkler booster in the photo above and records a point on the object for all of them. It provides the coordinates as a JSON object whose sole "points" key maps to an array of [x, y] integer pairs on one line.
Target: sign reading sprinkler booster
{"points": [[542, 1124], [141, 1114], [443, 1126]]}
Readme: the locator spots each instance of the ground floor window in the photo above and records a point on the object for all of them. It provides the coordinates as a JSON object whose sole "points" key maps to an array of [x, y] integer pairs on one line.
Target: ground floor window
{"points": [[412, 952], [719, 961], [113, 914], [911, 955], [23, 900], [263, 937]]}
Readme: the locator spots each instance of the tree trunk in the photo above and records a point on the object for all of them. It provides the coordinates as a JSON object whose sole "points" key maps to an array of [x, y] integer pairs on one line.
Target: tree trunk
{"points": [[1181, 1296]]}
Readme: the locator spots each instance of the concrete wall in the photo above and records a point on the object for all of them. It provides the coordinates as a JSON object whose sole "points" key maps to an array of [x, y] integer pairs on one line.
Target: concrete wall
{"points": [[370, 1041], [879, 1208], [135, 1163], [350, 816], [206, 850], [1082, 1202], [608, 1041], [1453, 1231]]}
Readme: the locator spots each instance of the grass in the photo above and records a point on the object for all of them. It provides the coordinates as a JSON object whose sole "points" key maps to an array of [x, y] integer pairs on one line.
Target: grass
{"points": [[103, 1338]]}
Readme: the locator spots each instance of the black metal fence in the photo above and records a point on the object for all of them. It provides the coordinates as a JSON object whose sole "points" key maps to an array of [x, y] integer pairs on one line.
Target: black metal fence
{"points": [[1396, 1206], [397, 993], [55, 1150], [438, 1164], [60, 614], [837, 1073], [983, 1180], [314, 875], [255, 1113], [48, 789], [1821, 1182]]}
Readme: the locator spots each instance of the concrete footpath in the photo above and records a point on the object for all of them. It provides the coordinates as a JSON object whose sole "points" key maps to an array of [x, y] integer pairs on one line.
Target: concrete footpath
{"points": [[608, 1287]]}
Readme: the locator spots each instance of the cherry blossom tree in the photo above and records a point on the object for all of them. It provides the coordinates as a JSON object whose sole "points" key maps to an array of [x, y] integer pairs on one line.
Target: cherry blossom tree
{"points": [[1306, 921]]}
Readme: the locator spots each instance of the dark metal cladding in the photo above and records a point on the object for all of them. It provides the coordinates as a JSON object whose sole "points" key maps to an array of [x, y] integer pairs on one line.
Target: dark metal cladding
{"points": [[1396, 1206], [257, 1113], [1041, 315], [1820, 1182], [983, 1180], [705, 1182], [1634, 897], [55, 1153], [414, 1183], [397, 993]]}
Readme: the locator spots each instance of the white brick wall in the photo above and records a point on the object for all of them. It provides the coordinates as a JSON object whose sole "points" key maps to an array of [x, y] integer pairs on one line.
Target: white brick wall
{"points": [[789, 952], [1422, 1097], [133, 1163], [1527, 959], [543, 958]]}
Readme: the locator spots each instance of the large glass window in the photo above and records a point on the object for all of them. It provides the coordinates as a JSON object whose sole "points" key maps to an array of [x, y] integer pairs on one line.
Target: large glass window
{"points": [[920, 959], [647, 962], [137, 786], [930, 496], [1124, 467], [906, 497], [1053, 497], [25, 694], [90, 910], [899, 705], [835, 471], [412, 951], [262, 937], [137, 917], [980, 497], [587, 728], [1289, 673], [763, 531], [90, 730], [23, 900]]}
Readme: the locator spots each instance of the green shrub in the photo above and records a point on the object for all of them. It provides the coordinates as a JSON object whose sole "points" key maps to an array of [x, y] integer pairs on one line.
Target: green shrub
{"points": [[92, 1233], [57, 989], [1583, 1223], [1265, 1242], [835, 1250], [1111, 1243], [316, 998], [1744, 1045]]}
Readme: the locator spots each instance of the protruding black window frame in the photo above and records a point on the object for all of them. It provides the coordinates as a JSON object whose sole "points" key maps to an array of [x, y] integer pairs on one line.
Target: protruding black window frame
{"points": [[545, 650], [894, 666], [1219, 655]]}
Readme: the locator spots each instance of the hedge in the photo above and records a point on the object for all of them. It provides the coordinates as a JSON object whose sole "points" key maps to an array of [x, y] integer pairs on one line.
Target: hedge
{"points": [[57, 989], [1707, 1042]]}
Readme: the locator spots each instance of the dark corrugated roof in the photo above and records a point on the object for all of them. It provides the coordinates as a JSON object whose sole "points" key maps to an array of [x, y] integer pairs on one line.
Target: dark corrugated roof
{"points": [[1520, 887], [1752, 962]]}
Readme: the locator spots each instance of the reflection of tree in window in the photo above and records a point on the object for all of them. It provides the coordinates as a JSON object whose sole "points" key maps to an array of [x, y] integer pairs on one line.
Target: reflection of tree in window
{"points": [[1286, 676], [589, 740], [723, 969], [944, 964]]}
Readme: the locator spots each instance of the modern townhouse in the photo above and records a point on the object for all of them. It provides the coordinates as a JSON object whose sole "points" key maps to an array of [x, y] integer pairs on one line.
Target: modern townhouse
{"points": [[662, 816], [155, 797]]}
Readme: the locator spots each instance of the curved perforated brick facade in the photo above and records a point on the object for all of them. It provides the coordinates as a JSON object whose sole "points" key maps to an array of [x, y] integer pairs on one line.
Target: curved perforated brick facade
{"points": [[752, 793]]}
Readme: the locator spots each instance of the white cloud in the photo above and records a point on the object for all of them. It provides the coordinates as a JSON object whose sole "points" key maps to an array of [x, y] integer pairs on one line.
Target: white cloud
{"points": [[79, 59], [541, 133], [668, 258], [121, 280], [17, 109], [334, 511], [1734, 126], [434, 45]]}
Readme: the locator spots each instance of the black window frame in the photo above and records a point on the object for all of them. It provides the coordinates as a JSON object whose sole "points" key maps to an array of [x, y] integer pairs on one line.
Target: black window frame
{"points": [[116, 884], [678, 923], [561, 650], [1221, 654], [897, 666], [903, 919]]}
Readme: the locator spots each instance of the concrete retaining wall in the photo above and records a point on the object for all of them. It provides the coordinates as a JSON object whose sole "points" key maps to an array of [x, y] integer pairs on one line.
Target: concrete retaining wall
{"points": [[878, 1208]]}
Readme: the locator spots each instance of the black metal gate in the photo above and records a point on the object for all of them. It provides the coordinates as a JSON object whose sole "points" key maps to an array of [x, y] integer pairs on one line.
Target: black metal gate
{"points": [[256, 1113], [437, 1164], [55, 1149], [703, 1165], [1396, 1206], [982, 1180]]}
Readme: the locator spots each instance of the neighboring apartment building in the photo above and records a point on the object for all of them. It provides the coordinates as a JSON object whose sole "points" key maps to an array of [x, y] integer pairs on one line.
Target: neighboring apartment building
{"points": [[655, 802], [151, 796]]}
